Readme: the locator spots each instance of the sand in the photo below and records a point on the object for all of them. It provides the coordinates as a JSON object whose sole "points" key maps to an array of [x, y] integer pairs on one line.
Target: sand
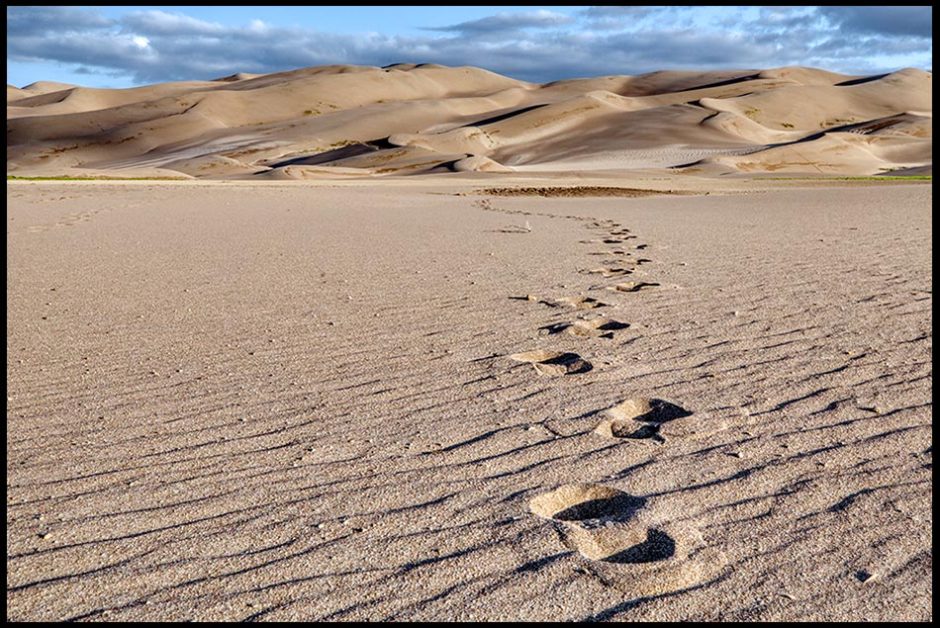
{"points": [[297, 400], [406, 119]]}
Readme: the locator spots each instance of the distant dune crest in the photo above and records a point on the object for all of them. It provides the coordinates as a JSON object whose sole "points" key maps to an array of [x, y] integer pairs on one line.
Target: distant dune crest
{"points": [[408, 119]]}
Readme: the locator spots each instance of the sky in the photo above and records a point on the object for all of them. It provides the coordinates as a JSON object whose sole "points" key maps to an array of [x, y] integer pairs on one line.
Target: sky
{"points": [[127, 46]]}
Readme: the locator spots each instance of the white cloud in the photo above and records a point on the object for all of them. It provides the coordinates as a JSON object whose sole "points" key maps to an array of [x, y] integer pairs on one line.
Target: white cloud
{"points": [[538, 45]]}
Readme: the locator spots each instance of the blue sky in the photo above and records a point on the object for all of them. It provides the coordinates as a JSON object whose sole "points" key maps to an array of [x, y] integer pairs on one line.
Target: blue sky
{"points": [[127, 46]]}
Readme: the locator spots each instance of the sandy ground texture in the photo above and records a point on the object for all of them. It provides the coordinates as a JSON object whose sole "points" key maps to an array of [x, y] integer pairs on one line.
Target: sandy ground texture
{"points": [[395, 401], [363, 121]]}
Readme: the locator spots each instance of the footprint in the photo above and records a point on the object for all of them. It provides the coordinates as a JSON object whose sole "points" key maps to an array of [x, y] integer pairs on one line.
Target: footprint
{"points": [[595, 519], [630, 547], [553, 362], [554, 328], [596, 327], [639, 418], [537, 355], [513, 229], [565, 364], [631, 286], [580, 303], [657, 546], [592, 328], [610, 271]]}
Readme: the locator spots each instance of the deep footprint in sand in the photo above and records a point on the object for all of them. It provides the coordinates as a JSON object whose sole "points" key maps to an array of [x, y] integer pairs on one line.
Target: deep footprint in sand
{"points": [[553, 362], [592, 328], [610, 271], [620, 252], [605, 524], [579, 303], [631, 286], [596, 327], [629, 546], [639, 418], [595, 519]]}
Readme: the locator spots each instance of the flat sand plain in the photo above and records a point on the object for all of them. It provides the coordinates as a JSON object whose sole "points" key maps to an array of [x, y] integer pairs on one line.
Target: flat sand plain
{"points": [[296, 401]]}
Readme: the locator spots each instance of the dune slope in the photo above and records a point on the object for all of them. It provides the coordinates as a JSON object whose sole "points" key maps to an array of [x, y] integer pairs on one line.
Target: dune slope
{"points": [[408, 119]]}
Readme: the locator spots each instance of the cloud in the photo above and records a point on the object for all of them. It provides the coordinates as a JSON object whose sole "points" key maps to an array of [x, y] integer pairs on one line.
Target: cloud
{"points": [[153, 46], [607, 11], [616, 18], [507, 22], [890, 20], [160, 23], [23, 21]]}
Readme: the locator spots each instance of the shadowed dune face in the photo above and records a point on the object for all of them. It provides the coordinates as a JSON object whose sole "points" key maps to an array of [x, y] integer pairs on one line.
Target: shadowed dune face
{"points": [[410, 119]]}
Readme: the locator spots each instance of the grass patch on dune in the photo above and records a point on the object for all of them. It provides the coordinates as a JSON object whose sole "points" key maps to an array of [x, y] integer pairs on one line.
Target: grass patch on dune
{"points": [[101, 178], [575, 191], [899, 177]]}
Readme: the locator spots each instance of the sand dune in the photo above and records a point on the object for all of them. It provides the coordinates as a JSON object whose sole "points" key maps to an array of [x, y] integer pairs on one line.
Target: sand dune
{"points": [[410, 119]]}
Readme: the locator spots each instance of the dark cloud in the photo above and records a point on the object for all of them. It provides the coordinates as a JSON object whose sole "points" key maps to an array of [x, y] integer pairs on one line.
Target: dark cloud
{"points": [[152, 46], [617, 18], [890, 20], [35, 20], [507, 22], [629, 11], [846, 46]]}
